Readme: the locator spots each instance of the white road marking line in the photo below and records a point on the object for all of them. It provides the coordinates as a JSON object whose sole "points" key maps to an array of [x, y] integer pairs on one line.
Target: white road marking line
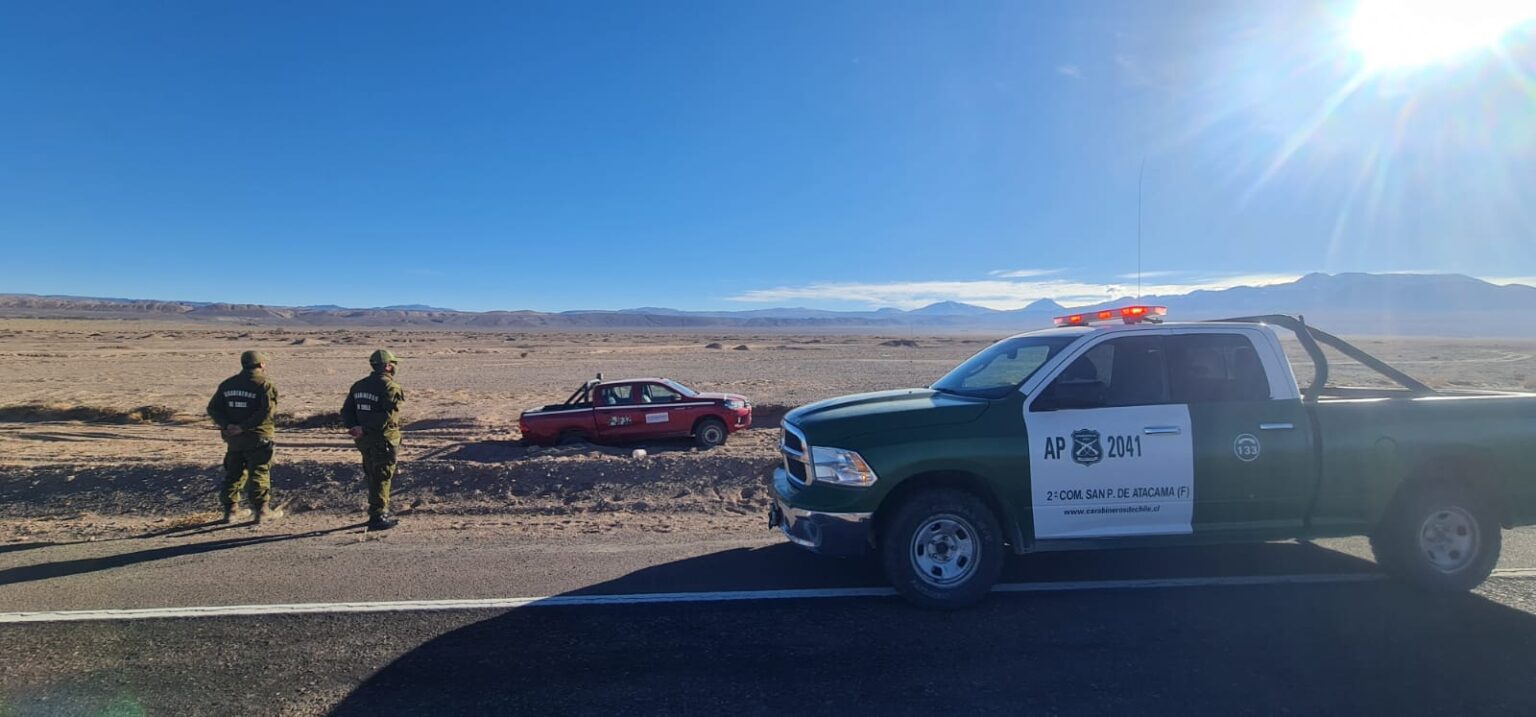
{"points": [[434, 605], [651, 598], [1151, 583], [690, 597]]}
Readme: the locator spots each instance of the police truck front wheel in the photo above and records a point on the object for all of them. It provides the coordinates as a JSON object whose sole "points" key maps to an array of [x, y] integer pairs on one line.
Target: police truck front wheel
{"points": [[709, 433], [1440, 535], [942, 549]]}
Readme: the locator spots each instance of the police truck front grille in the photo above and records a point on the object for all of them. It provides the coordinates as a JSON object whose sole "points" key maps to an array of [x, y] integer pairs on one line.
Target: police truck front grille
{"points": [[796, 454]]}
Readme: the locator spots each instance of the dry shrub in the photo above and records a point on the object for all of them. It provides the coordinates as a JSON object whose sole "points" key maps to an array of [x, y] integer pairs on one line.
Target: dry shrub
{"points": [[329, 419], [41, 412], [155, 414]]}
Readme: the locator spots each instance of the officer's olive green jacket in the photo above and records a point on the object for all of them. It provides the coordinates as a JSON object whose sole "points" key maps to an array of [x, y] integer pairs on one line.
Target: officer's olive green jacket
{"points": [[248, 400], [374, 403]]}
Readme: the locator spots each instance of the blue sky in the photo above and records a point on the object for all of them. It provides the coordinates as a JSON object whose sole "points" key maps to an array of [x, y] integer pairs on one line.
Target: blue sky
{"points": [[744, 154]]}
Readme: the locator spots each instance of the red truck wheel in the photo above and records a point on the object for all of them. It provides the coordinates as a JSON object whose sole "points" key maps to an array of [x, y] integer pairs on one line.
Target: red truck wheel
{"points": [[709, 433]]}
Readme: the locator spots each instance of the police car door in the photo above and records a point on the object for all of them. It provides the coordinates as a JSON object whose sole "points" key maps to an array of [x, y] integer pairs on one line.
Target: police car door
{"points": [[1254, 467], [619, 413], [1110, 455]]}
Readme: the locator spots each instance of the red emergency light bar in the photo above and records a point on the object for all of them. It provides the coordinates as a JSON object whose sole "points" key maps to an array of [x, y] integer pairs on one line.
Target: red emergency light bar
{"points": [[1128, 314]]}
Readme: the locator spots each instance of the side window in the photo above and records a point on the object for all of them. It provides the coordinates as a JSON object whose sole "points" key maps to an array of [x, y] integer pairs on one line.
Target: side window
{"points": [[1126, 371], [617, 395], [1215, 368], [657, 393]]}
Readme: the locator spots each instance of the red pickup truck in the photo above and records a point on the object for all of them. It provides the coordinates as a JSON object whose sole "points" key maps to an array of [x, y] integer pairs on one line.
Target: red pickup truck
{"points": [[636, 409]]}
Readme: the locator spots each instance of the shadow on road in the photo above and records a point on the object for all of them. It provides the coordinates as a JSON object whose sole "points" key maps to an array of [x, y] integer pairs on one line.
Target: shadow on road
{"points": [[64, 568], [1371, 647], [19, 547], [176, 530]]}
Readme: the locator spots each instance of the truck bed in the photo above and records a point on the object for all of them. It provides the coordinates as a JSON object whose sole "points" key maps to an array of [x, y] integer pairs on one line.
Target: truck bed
{"points": [[1373, 439]]}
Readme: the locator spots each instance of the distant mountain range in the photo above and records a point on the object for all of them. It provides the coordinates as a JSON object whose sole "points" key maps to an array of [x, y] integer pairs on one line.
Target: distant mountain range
{"points": [[1358, 304]]}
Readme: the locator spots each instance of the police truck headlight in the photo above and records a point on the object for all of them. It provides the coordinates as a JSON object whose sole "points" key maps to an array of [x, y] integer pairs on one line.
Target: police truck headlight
{"points": [[734, 404], [841, 467]]}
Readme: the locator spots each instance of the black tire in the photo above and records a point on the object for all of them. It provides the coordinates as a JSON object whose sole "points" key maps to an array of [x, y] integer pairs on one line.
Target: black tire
{"points": [[571, 438], [963, 528], [709, 432], [1439, 535]]}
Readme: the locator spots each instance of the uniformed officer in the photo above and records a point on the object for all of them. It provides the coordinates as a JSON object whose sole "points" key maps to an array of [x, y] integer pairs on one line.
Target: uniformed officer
{"points": [[371, 414], [243, 408]]}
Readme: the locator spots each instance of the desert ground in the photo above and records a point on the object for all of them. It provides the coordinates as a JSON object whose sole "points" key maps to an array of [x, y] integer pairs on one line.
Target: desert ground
{"points": [[102, 427]]}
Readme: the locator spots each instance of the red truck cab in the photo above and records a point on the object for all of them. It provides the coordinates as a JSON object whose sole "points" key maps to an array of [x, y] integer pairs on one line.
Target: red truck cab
{"points": [[637, 409]]}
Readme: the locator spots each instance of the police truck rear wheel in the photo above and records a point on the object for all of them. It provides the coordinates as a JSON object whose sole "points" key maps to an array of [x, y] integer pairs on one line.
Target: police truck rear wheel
{"points": [[709, 433], [1440, 535], [571, 438], [942, 549]]}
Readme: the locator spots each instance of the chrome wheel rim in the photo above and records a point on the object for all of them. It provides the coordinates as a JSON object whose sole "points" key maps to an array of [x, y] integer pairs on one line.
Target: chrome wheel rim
{"points": [[945, 550], [1448, 539]]}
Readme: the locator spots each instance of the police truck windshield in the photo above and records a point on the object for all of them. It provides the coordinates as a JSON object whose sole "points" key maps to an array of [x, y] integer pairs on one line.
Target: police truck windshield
{"points": [[1002, 367]]}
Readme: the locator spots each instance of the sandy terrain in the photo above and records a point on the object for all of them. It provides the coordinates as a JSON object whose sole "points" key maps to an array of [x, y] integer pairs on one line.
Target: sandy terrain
{"points": [[101, 427]]}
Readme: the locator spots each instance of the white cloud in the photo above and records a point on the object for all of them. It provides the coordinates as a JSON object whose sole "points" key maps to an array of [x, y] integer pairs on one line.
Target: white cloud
{"points": [[1152, 275], [1022, 273], [1507, 280], [991, 293], [1216, 283], [1072, 71]]}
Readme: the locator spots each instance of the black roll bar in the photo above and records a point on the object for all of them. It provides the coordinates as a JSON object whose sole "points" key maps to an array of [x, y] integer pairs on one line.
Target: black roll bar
{"points": [[1310, 338], [582, 395]]}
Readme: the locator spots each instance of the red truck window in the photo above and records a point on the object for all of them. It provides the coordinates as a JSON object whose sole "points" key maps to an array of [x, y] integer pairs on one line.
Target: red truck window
{"points": [[657, 393], [616, 395]]}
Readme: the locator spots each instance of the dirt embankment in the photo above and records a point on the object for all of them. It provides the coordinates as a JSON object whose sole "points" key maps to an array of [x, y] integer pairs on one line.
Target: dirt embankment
{"points": [[474, 479], [117, 474]]}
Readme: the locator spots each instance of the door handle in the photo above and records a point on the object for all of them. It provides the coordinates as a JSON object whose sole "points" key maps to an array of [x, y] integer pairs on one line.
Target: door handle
{"points": [[1162, 430], [1276, 426]]}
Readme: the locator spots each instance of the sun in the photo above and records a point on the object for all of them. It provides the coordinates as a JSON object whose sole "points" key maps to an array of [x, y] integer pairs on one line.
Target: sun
{"points": [[1409, 33]]}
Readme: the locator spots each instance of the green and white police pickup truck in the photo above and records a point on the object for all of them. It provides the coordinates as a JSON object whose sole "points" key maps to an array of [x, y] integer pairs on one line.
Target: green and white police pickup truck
{"points": [[1144, 433]]}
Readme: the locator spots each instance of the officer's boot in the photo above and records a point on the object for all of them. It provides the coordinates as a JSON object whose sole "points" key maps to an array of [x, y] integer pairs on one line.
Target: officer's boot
{"points": [[382, 521], [264, 512], [229, 515]]}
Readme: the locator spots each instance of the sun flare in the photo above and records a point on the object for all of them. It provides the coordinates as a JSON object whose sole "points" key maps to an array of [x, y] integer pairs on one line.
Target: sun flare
{"points": [[1410, 33]]}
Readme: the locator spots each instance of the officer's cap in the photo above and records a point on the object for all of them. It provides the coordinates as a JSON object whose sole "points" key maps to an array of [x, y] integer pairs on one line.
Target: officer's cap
{"points": [[383, 357], [252, 359]]}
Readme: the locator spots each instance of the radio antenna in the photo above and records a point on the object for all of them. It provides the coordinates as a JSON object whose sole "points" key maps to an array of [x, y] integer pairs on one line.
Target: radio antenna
{"points": [[1141, 175]]}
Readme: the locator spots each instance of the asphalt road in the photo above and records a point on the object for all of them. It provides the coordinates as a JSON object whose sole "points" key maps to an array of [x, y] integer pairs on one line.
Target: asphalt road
{"points": [[1354, 647]]}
